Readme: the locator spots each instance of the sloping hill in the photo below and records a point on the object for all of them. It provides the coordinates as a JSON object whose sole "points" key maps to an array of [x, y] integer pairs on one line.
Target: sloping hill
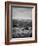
{"points": [[21, 28]]}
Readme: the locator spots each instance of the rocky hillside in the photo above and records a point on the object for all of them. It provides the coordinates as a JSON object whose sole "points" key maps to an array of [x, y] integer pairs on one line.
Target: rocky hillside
{"points": [[21, 28]]}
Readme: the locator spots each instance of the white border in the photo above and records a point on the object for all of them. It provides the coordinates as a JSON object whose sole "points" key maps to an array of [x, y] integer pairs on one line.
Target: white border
{"points": [[33, 25]]}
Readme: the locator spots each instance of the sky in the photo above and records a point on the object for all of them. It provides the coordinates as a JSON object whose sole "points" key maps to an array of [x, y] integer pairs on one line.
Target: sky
{"points": [[21, 13]]}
